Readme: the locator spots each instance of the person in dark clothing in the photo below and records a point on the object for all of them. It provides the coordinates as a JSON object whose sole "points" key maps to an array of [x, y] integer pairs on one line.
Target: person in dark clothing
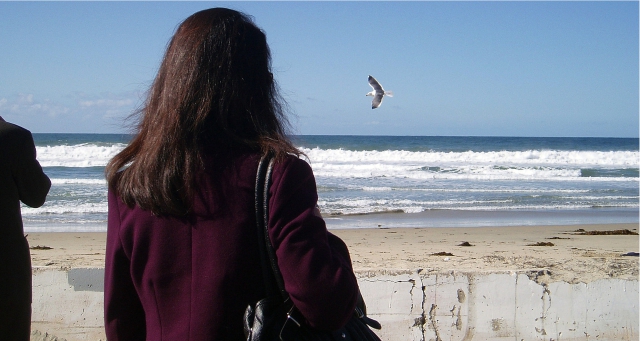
{"points": [[21, 180], [182, 257]]}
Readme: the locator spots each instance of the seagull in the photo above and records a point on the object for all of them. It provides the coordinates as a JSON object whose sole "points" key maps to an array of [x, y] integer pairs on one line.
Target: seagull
{"points": [[377, 93]]}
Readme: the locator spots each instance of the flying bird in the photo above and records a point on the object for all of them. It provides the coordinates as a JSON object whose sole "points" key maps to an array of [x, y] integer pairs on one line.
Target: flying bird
{"points": [[377, 93]]}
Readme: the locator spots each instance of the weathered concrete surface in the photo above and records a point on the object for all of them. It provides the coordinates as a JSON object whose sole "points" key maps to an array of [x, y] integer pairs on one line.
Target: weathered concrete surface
{"points": [[411, 305], [500, 306], [65, 307]]}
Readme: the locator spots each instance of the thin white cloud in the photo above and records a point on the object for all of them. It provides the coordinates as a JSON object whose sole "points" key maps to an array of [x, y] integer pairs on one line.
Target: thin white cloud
{"points": [[25, 105], [25, 98], [90, 113], [108, 103]]}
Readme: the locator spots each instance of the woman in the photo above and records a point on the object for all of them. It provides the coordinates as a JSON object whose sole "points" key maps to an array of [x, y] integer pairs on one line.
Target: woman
{"points": [[182, 260]]}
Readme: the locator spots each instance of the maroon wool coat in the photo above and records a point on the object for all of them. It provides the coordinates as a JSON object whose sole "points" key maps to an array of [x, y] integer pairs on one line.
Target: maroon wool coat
{"points": [[169, 278]]}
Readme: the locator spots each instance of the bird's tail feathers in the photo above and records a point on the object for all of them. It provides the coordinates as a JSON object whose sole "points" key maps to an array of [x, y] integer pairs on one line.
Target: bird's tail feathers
{"points": [[388, 93]]}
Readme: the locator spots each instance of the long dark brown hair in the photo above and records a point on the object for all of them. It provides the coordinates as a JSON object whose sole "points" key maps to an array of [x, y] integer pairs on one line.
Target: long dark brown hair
{"points": [[213, 95]]}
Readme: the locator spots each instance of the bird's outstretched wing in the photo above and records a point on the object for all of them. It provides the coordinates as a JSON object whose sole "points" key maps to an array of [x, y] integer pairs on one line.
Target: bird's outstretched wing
{"points": [[377, 100], [375, 85]]}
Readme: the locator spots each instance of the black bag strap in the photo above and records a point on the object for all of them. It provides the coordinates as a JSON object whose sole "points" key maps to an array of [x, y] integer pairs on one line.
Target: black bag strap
{"points": [[270, 271], [268, 255]]}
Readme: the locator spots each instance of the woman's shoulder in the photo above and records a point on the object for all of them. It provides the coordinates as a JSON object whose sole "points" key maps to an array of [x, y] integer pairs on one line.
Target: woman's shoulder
{"points": [[292, 165], [244, 166]]}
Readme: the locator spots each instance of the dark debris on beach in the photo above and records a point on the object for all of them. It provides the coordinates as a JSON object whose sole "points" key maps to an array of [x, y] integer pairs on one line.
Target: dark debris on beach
{"points": [[605, 233], [442, 254], [542, 244], [40, 247]]}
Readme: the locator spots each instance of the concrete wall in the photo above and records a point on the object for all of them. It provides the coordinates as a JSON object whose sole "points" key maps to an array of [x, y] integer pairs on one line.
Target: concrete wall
{"points": [[67, 305], [499, 306], [410, 306]]}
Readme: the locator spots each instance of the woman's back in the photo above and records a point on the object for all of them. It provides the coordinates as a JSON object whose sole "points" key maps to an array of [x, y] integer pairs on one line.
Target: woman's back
{"points": [[190, 278]]}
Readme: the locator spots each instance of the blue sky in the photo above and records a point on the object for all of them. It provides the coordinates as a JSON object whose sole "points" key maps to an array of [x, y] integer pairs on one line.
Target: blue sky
{"points": [[456, 68]]}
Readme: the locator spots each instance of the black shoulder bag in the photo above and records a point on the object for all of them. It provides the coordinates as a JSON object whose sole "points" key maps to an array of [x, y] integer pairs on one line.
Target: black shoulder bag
{"points": [[275, 317]]}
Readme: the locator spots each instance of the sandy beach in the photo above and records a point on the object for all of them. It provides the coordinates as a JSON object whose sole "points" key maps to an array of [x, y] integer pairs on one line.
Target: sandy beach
{"points": [[568, 255], [546, 254]]}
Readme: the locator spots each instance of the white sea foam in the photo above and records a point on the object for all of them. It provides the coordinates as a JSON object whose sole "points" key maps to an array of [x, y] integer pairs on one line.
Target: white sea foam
{"points": [[77, 181], [549, 158], [551, 165], [66, 208], [92, 155], [81, 155], [377, 189], [490, 205], [467, 190], [462, 172], [367, 205]]}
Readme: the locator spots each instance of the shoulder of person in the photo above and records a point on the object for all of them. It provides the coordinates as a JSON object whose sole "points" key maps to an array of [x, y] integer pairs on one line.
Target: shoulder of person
{"points": [[293, 163], [10, 131]]}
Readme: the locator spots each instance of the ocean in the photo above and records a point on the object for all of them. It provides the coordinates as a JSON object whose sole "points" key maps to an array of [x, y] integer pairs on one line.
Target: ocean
{"points": [[396, 181]]}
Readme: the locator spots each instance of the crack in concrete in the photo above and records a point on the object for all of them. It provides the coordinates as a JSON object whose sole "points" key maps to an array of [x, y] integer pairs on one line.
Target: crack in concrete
{"points": [[422, 318], [432, 321], [546, 305], [423, 312], [413, 285], [420, 321], [459, 320], [471, 293]]}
